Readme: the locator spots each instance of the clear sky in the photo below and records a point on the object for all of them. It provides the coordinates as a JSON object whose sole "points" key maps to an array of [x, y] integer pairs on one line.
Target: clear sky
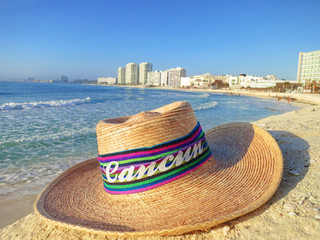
{"points": [[87, 39]]}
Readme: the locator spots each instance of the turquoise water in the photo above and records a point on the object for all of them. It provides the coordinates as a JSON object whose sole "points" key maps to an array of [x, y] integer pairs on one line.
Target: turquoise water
{"points": [[46, 128]]}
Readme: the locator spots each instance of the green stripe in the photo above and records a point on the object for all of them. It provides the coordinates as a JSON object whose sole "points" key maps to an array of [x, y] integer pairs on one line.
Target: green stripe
{"points": [[159, 177]]}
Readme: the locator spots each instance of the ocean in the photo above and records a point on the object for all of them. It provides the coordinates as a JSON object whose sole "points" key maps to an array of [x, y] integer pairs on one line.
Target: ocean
{"points": [[46, 128]]}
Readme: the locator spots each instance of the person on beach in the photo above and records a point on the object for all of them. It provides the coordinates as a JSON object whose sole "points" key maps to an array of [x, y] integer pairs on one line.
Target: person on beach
{"points": [[289, 99]]}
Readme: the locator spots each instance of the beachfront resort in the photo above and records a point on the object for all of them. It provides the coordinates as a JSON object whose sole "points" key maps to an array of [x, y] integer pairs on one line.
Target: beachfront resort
{"points": [[143, 75], [308, 77]]}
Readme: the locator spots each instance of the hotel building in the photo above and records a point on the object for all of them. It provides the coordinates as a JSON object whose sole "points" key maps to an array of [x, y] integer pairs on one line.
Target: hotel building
{"points": [[142, 74], [154, 78], [132, 74], [164, 78], [172, 77], [309, 68], [121, 75], [144, 68], [107, 80]]}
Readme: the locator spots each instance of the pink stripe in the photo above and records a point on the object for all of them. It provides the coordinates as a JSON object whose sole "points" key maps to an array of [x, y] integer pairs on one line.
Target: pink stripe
{"points": [[148, 152], [135, 166], [153, 186]]}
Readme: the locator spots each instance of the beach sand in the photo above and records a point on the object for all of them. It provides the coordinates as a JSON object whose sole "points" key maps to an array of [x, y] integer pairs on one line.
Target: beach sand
{"points": [[292, 213], [15, 207]]}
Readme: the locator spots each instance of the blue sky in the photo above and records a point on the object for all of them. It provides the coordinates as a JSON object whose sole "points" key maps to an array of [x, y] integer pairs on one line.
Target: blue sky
{"points": [[87, 39]]}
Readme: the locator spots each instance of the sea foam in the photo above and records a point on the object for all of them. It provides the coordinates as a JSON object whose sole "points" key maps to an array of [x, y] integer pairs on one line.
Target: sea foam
{"points": [[205, 106], [42, 104]]}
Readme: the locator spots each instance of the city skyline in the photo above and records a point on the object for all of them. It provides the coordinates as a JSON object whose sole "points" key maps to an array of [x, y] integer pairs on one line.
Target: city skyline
{"points": [[44, 39]]}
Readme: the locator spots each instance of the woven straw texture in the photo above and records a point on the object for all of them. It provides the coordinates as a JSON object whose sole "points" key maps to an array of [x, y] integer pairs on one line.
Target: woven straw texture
{"points": [[244, 173], [145, 129]]}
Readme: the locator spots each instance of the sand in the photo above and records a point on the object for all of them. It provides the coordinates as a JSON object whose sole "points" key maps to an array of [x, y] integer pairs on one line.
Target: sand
{"points": [[292, 213], [13, 208]]}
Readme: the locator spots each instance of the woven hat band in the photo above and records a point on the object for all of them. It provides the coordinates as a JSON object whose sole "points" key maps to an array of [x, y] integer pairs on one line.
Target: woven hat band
{"points": [[141, 169]]}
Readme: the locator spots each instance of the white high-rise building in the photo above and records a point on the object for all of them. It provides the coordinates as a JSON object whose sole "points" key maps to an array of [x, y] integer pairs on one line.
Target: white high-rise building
{"points": [[309, 68], [174, 76], [132, 74], [144, 68], [121, 75], [164, 78], [154, 78]]}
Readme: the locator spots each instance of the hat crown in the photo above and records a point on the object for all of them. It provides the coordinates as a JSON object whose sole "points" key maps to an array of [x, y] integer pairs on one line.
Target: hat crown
{"points": [[142, 117], [145, 129]]}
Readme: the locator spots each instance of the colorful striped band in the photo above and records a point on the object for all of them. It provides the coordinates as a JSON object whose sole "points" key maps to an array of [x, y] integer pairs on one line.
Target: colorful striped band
{"points": [[141, 169]]}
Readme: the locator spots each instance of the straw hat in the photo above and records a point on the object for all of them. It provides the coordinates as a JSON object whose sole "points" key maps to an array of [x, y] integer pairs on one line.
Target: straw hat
{"points": [[242, 173]]}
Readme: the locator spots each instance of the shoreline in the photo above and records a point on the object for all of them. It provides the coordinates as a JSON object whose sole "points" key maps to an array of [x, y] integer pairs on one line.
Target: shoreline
{"points": [[304, 98], [299, 127]]}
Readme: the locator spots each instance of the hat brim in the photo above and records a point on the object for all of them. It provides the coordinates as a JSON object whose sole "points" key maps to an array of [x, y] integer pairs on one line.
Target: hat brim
{"points": [[243, 174]]}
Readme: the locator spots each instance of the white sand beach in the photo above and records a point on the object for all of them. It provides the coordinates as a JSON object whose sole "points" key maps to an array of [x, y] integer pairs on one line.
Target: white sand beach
{"points": [[292, 213]]}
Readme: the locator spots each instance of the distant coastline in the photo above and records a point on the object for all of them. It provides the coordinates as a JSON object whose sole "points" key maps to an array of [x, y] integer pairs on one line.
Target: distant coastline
{"points": [[305, 98]]}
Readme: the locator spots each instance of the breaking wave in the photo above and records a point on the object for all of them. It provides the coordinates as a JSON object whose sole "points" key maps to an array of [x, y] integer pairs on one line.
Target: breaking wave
{"points": [[205, 106], [44, 104], [204, 95]]}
